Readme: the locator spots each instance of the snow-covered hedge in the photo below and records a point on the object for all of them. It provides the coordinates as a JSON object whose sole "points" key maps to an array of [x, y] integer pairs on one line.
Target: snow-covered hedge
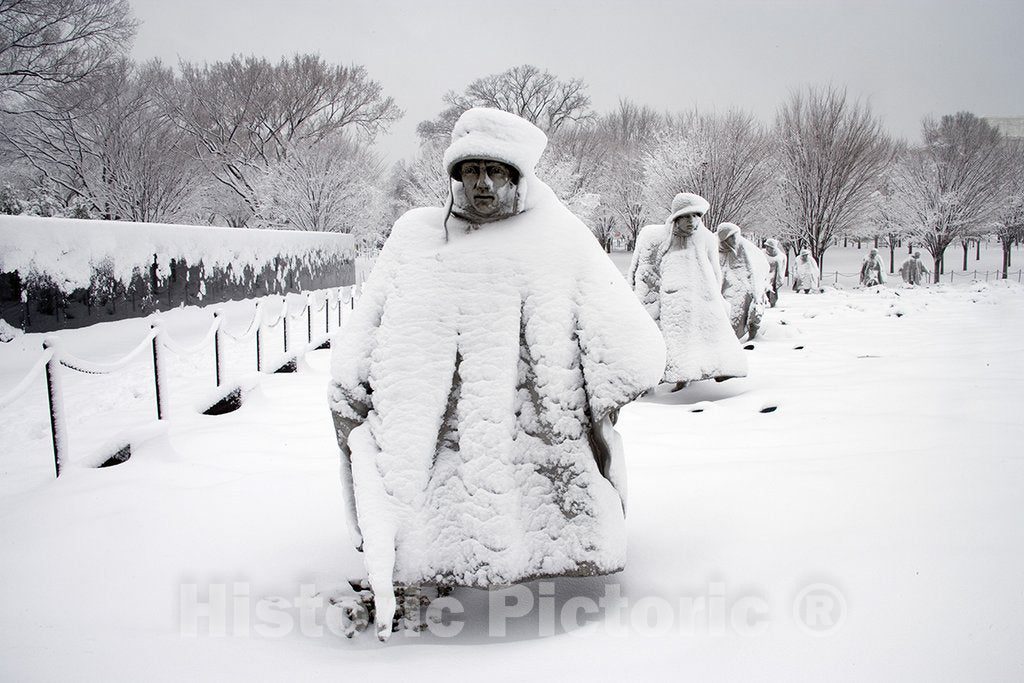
{"points": [[65, 272]]}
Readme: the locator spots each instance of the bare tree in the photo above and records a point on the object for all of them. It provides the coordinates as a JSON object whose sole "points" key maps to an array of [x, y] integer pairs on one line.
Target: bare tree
{"points": [[670, 162], [329, 186], [885, 217], [102, 141], [1010, 213], [537, 96], [57, 42], [245, 114], [833, 153], [727, 159], [423, 182], [623, 137], [952, 185]]}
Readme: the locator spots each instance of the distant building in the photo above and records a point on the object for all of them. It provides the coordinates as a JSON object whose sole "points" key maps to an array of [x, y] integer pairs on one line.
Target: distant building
{"points": [[1010, 126]]}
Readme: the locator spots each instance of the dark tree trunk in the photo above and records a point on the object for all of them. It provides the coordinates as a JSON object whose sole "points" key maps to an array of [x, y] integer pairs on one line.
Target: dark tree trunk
{"points": [[965, 244], [977, 250]]}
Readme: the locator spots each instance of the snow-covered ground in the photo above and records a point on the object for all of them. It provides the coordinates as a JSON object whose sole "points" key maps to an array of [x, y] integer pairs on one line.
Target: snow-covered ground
{"points": [[849, 511]]}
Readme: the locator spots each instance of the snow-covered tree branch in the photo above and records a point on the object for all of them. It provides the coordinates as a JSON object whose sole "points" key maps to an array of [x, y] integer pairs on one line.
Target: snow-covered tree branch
{"points": [[327, 186], [102, 141], [57, 42], [727, 159], [538, 96], [244, 115]]}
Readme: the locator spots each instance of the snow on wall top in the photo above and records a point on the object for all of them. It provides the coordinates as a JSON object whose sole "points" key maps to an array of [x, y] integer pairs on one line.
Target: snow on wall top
{"points": [[69, 249]]}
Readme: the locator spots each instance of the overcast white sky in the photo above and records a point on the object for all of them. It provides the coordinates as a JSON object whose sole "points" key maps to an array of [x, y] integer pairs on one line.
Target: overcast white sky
{"points": [[909, 57]]}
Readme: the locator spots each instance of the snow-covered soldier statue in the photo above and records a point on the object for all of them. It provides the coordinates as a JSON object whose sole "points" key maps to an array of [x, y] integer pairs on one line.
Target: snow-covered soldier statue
{"points": [[871, 270], [805, 279], [676, 275], [913, 269], [776, 269], [477, 383], [744, 279]]}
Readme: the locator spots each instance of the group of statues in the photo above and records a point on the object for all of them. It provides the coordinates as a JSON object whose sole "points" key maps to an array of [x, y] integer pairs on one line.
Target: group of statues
{"points": [[476, 386], [912, 270], [707, 291]]}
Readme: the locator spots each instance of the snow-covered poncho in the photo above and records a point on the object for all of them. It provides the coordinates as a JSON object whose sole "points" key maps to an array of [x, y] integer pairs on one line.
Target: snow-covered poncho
{"points": [[871, 271], [682, 290], [805, 276], [481, 371], [776, 271], [776, 268], [744, 285], [913, 270]]}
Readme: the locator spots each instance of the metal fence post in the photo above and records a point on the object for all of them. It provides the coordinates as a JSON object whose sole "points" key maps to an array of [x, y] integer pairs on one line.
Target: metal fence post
{"points": [[216, 344], [284, 317], [54, 394], [156, 369]]}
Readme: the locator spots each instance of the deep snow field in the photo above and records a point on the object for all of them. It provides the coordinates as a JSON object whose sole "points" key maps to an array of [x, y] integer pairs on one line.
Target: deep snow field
{"points": [[850, 511]]}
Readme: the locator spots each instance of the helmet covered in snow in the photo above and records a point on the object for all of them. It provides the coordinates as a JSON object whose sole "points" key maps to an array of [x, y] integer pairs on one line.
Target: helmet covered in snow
{"points": [[727, 230], [687, 202], [495, 135]]}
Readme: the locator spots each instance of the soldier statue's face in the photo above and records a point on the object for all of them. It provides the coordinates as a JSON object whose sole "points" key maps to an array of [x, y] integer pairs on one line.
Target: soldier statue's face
{"points": [[488, 186], [685, 225]]}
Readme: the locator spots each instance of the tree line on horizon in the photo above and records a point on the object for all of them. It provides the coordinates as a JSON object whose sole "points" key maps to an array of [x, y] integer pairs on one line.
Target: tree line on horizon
{"points": [[86, 132]]}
